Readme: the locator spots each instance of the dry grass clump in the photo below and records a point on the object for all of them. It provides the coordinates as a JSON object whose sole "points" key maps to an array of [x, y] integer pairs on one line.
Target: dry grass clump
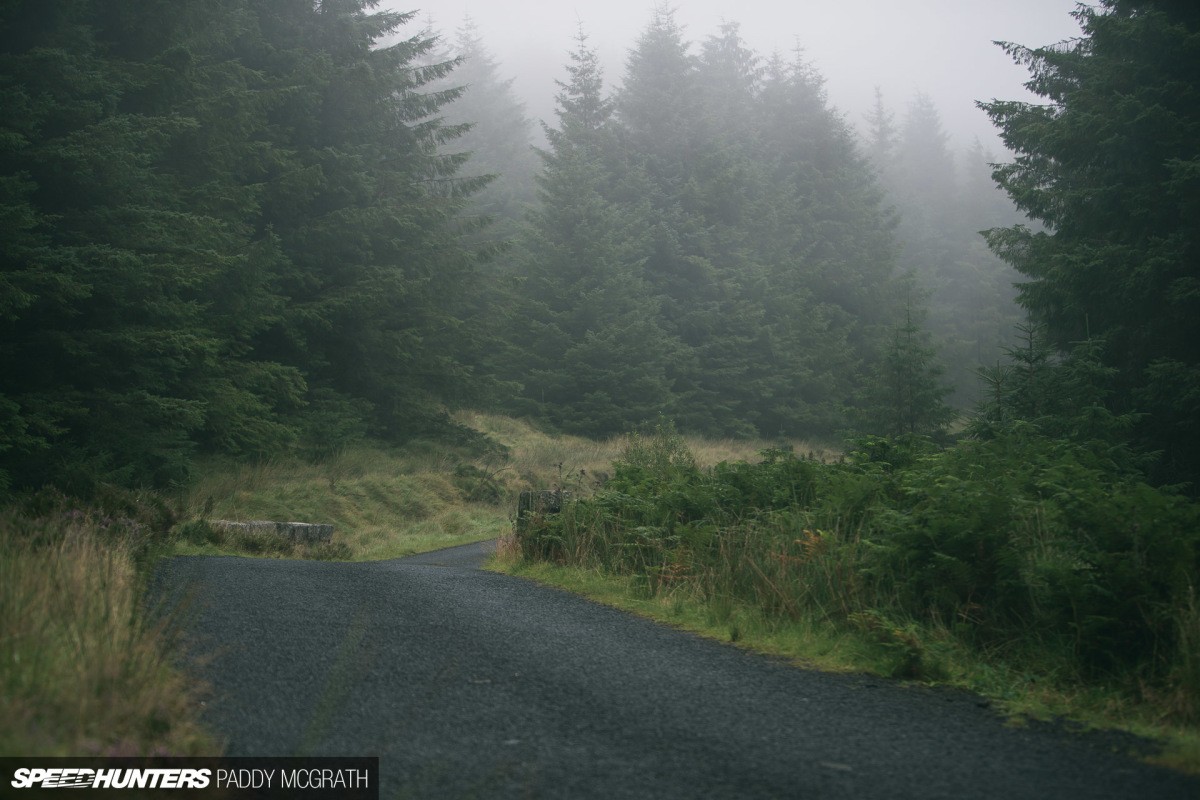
{"points": [[709, 452], [537, 459], [542, 460], [83, 670]]}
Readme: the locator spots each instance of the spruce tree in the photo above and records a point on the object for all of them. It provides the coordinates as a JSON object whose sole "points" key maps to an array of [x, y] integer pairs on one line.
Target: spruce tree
{"points": [[657, 108], [881, 136], [908, 395], [829, 246], [589, 351], [969, 292], [1109, 165], [217, 215], [500, 135], [363, 207], [770, 250], [115, 359]]}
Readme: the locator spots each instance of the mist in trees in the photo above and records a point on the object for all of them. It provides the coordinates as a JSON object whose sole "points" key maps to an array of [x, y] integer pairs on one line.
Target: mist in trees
{"points": [[585, 341], [768, 236], [252, 228], [497, 132], [944, 200], [729, 210]]}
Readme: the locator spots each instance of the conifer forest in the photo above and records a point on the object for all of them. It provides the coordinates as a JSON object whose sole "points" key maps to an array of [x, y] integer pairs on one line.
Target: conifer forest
{"points": [[254, 228]]}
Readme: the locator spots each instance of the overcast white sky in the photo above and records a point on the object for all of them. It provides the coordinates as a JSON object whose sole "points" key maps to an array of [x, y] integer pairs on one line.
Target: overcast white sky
{"points": [[941, 47]]}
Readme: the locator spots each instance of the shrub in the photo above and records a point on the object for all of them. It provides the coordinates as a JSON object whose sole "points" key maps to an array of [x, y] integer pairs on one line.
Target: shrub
{"points": [[1020, 544]]}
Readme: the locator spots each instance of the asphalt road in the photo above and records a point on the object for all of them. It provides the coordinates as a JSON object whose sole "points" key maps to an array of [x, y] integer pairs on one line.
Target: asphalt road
{"points": [[471, 684]]}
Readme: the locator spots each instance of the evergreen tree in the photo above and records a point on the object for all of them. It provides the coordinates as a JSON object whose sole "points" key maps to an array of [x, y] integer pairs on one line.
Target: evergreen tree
{"points": [[986, 295], [970, 297], [500, 135], [1109, 164], [659, 97], [657, 107], [769, 249], [925, 187], [117, 363], [908, 396], [926, 162], [590, 353], [669, 138], [216, 214], [363, 208], [881, 136], [829, 243], [1037, 391], [729, 75], [214, 170]]}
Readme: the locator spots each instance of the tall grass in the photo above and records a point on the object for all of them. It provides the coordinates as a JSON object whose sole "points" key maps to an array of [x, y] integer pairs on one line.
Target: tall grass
{"points": [[537, 459], [83, 669], [390, 502]]}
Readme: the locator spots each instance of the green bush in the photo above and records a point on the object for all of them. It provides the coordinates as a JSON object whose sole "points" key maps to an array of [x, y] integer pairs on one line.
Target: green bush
{"points": [[1030, 537], [1019, 544]]}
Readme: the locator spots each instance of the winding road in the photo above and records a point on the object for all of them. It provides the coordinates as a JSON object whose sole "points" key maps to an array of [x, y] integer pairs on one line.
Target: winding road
{"points": [[470, 684]]}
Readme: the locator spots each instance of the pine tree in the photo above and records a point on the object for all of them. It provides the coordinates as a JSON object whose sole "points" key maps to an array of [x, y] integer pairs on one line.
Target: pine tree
{"points": [[1037, 391], [659, 98], [1109, 164], [214, 171], [590, 353], [770, 250], [363, 207], [829, 244], [730, 76], [500, 136], [926, 162], [971, 313], [908, 397], [668, 136], [657, 107], [116, 362], [725, 214], [219, 213], [881, 136]]}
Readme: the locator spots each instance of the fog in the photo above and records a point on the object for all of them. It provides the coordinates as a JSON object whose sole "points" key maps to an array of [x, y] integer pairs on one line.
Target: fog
{"points": [[940, 47]]}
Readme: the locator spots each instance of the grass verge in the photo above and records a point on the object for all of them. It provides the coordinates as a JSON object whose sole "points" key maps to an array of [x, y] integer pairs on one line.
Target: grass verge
{"points": [[383, 503], [85, 670], [1001, 578], [1020, 696]]}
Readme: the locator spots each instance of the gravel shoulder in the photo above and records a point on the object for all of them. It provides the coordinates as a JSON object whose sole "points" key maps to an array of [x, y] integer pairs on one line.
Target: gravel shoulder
{"points": [[467, 683]]}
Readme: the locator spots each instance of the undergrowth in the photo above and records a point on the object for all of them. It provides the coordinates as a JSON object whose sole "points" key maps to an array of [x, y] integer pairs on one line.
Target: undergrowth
{"points": [[1021, 566], [84, 669]]}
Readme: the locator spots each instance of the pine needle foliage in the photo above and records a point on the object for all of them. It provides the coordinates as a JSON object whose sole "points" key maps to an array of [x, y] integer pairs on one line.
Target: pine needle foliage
{"points": [[1107, 163], [226, 224]]}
